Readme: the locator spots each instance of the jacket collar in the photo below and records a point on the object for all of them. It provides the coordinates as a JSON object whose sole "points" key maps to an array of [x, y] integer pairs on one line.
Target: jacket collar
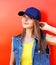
{"points": [[19, 37]]}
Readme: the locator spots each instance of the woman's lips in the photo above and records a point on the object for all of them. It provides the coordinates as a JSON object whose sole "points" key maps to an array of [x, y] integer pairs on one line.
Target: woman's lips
{"points": [[26, 23]]}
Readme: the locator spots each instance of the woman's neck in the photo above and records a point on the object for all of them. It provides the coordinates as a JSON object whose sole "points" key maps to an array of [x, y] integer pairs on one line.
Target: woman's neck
{"points": [[29, 33]]}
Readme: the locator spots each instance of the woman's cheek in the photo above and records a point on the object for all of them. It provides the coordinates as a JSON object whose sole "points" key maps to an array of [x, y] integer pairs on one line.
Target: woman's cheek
{"points": [[23, 19], [31, 24]]}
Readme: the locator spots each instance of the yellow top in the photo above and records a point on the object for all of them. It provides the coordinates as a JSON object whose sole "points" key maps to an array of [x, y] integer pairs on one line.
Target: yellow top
{"points": [[26, 58]]}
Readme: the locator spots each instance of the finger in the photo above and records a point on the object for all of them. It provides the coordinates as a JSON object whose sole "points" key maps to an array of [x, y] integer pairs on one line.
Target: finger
{"points": [[41, 24], [41, 28]]}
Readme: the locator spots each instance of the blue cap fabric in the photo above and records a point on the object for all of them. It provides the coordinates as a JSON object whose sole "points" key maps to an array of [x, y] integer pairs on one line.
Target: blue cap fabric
{"points": [[31, 12]]}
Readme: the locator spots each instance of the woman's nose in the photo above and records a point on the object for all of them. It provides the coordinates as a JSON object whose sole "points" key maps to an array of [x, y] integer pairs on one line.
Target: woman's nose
{"points": [[24, 19]]}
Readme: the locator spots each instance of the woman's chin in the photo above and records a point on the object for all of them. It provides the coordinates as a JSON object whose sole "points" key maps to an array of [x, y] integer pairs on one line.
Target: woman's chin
{"points": [[26, 27]]}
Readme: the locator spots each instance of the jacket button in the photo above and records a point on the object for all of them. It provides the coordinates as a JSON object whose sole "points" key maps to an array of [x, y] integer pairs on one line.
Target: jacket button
{"points": [[38, 51]]}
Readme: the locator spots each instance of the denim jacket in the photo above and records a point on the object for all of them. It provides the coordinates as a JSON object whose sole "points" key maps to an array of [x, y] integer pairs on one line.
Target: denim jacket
{"points": [[37, 58]]}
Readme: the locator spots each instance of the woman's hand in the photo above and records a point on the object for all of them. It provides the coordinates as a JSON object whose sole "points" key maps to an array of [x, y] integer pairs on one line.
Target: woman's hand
{"points": [[44, 26]]}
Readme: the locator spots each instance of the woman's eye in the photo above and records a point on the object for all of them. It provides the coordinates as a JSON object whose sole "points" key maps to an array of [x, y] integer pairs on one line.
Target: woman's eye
{"points": [[24, 16], [31, 18], [27, 17]]}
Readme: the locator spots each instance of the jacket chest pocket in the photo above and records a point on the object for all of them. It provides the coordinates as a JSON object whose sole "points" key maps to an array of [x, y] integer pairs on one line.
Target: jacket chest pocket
{"points": [[36, 59], [41, 59]]}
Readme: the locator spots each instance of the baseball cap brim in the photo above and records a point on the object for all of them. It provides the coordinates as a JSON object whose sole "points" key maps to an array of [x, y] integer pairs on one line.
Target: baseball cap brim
{"points": [[21, 13]]}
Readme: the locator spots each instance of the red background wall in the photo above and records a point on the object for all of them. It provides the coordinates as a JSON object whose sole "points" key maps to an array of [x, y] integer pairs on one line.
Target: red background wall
{"points": [[10, 23]]}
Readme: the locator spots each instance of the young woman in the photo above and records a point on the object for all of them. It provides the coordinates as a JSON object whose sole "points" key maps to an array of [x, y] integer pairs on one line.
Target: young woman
{"points": [[29, 48]]}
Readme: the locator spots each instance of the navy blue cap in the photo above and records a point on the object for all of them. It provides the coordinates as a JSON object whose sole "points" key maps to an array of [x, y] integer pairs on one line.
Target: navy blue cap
{"points": [[32, 13]]}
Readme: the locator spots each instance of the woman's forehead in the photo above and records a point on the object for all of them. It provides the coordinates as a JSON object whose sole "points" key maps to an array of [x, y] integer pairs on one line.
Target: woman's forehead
{"points": [[25, 15]]}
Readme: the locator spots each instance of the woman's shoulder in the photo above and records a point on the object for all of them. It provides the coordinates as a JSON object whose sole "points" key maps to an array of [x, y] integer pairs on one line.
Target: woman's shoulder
{"points": [[17, 36]]}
